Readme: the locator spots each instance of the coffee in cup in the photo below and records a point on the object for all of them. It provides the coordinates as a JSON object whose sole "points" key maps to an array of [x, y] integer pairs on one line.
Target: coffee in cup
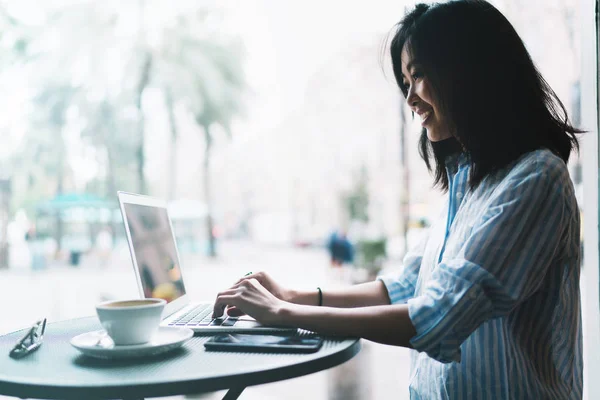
{"points": [[129, 322]]}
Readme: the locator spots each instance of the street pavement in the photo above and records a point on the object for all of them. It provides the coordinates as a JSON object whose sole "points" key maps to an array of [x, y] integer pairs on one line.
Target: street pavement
{"points": [[61, 292]]}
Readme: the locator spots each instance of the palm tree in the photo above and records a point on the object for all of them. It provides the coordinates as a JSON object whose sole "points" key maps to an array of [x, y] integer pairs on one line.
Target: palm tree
{"points": [[196, 66], [44, 156], [205, 72]]}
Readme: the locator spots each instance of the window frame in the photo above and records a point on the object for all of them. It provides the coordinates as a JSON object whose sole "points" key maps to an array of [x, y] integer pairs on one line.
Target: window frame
{"points": [[590, 276]]}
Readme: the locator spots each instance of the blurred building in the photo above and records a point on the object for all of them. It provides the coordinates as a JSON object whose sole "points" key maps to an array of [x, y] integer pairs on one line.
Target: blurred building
{"points": [[299, 172], [284, 175]]}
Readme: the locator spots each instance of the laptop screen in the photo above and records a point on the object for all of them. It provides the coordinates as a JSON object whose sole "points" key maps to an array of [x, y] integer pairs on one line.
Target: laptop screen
{"points": [[155, 252]]}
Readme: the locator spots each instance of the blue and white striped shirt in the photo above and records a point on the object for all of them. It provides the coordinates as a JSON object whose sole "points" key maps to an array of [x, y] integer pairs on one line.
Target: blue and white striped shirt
{"points": [[493, 291]]}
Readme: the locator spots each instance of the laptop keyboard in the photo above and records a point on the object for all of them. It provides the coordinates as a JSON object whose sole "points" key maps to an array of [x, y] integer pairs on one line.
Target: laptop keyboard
{"points": [[201, 315]]}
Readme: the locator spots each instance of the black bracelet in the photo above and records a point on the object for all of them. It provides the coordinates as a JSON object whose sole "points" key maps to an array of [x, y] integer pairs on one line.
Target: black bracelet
{"points": [[320, 296]]}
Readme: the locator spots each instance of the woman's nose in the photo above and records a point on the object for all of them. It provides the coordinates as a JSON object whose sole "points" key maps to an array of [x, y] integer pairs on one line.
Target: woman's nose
{"points": [[411, 97]]}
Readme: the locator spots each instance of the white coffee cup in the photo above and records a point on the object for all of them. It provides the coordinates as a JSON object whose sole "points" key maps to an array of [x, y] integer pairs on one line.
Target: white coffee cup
{"points": [[130, 322]]}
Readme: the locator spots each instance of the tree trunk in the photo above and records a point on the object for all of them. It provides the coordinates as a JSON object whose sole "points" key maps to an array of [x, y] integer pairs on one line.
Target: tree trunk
{"points": [[143, 82], [59, 190], [212, 252], [172, 184], [111, 185], [5, 194], [405, 195]]}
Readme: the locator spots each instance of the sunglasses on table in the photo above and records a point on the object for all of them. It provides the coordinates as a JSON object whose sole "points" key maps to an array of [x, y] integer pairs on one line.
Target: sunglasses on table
{"points": [[31, 341]]}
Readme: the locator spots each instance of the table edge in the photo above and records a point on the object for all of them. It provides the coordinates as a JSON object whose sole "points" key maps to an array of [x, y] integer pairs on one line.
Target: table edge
{"points": [[190, 386]]}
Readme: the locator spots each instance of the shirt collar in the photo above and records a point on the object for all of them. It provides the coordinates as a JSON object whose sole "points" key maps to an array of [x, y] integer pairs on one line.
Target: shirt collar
{"points": [[452, 153], [457, 160]]}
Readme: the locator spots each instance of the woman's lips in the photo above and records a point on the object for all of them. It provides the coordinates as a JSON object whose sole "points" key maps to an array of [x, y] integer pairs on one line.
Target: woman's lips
{"points": [[424, 116]]}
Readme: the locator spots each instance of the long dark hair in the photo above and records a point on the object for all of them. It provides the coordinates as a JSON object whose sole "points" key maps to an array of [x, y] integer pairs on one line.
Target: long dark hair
{"points": [[495, 100]]}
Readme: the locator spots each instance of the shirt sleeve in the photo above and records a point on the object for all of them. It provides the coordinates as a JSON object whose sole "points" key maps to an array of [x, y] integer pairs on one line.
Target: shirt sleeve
{"points": [[401, 287], [502, 262]]}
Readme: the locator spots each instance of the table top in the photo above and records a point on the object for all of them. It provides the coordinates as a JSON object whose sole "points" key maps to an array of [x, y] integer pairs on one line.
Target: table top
{"points": [[59, 371]]}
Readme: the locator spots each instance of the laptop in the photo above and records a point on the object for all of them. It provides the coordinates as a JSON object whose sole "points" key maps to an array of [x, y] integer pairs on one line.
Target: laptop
{"points": [[159, 274]]}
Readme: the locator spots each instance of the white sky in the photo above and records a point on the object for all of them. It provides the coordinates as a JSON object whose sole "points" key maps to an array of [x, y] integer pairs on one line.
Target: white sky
{"points": [[288, 40], [285, 40]]}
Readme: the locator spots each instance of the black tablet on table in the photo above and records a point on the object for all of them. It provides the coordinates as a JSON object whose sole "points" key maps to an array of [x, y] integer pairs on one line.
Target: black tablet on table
{"points": [[264, 343]]}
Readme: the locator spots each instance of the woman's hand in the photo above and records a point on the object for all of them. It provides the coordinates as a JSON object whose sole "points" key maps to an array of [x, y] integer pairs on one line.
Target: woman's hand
{"points": [[266, 282], [250, 297]]}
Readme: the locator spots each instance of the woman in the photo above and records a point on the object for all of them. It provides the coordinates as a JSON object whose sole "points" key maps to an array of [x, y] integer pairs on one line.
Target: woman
{"points": [[490, 300]]}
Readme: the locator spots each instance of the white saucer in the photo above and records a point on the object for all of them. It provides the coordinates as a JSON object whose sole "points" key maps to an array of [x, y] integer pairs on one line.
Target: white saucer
{"points": [[99, 344]]}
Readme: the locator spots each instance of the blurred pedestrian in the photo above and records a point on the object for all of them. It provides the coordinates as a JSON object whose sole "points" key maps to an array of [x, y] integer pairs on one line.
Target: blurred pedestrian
{"points": [[36, 249], [104, 244], [340, 248]]}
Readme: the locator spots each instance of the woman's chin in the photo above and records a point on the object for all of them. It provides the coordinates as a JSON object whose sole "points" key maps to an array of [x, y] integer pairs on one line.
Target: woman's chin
{"points": [[434, 136]]}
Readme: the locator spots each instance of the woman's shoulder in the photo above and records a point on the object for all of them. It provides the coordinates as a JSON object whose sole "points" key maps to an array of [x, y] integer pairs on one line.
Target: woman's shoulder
{"points": [[536, 169], [541, 163]]}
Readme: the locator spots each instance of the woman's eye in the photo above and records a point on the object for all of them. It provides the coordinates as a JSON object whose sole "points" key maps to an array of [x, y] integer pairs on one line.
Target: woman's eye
{"points": [[417, 75]]}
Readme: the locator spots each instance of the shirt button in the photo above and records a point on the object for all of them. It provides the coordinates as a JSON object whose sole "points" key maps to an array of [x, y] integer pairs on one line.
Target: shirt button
{"points": [[459, 195]]}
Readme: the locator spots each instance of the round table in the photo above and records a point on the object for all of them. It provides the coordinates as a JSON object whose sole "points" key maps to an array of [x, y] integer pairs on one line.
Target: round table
{"points": [[59, 371]]}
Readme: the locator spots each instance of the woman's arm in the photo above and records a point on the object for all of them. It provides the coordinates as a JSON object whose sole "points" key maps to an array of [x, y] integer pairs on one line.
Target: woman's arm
{"points": [[363, 295], [387, 324], [366, 294]]}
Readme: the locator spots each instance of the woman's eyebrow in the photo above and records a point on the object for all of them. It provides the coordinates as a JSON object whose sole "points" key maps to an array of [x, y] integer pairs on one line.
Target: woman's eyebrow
{"points": [[410, 65]]}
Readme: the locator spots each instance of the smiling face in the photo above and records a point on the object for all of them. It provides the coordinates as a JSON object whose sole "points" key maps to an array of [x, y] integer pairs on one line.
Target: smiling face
{"points": [[421, 100]]}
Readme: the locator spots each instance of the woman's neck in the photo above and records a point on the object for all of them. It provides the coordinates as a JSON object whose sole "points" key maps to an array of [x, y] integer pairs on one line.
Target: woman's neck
{"points": [[447, 147]]}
